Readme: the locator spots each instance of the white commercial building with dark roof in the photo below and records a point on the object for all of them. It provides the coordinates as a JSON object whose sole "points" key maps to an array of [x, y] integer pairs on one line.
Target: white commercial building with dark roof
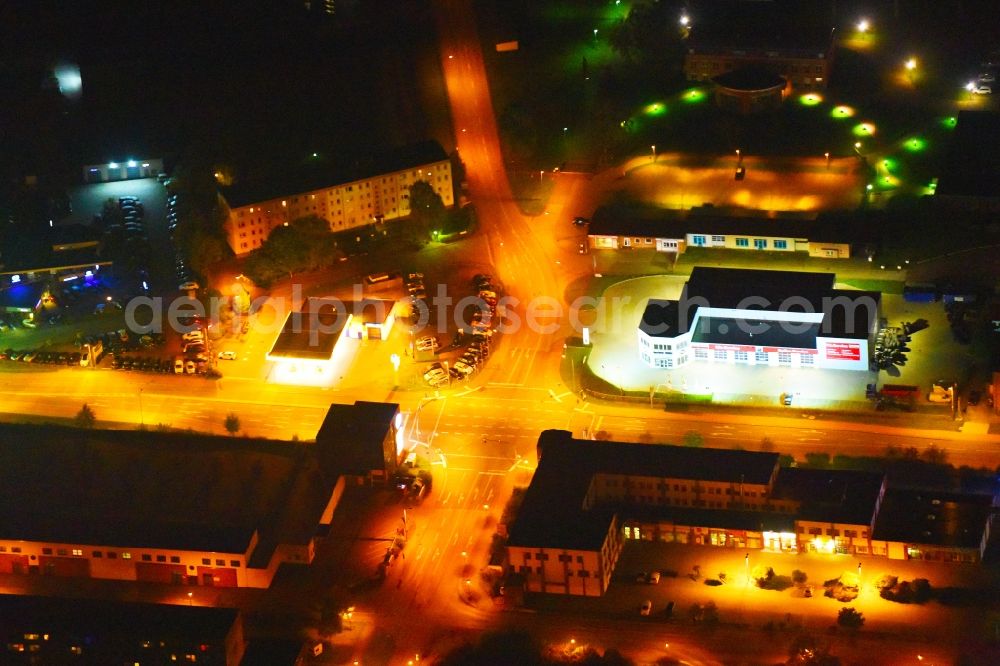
{"points": [[761, 317]]}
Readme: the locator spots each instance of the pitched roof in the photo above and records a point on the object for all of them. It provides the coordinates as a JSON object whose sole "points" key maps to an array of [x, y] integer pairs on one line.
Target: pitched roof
{"points": [[321, 175]]}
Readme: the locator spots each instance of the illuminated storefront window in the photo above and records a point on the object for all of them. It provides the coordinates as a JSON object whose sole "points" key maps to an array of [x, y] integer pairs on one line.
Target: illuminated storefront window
{"points": [[780, 541]]}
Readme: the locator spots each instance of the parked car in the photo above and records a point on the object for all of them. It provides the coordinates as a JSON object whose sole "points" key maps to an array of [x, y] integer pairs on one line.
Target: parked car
{"points": [[982, 90], [427, 343], [646, 608], [463, 367], [580, 221], [179, 366], [227, 355], [190, 367]]}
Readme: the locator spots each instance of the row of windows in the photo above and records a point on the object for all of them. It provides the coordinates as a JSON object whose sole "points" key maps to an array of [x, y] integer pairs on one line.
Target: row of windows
{"points": [[583, 573], [849, 534], [112, 555], [677, 487], [761, 243]]}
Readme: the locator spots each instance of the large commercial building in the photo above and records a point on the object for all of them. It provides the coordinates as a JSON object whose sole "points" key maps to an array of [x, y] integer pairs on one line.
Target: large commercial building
{"points": [[366, 194], [588, 498], [631, 228], [129, 169], [761, 317]]}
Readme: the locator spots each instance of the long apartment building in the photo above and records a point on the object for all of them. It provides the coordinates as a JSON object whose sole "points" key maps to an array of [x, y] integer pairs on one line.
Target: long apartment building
{"points": [[588, 498], [370, 193]]}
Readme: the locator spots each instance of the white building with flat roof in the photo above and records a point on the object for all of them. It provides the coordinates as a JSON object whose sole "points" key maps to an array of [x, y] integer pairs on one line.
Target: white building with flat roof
{"points": [[761, 317]]}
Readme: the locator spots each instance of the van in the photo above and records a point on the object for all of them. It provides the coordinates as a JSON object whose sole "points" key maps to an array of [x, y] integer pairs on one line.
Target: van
{"points": [[377, 278]]}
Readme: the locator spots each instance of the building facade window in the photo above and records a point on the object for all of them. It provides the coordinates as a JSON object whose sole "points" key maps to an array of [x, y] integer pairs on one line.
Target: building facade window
{"points": [[760, 357], [718, 239], [760, 243], [780, 244], [742, 242], [784, 358], [698, 240]]}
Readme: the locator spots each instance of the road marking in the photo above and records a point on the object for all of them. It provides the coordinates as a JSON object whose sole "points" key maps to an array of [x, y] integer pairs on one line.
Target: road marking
{"points": [[554, 396]]}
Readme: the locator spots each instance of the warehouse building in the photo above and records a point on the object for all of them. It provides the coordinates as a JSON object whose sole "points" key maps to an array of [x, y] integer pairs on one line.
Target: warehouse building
{"points": [[761, 317]]}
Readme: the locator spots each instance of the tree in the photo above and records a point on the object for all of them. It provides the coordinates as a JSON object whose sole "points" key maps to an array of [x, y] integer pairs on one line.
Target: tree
{"points": [[935, 455], [204, 249], [427, 211], [232, 423], [693, 439], [651, 36], [85, 418], [850, 618]]}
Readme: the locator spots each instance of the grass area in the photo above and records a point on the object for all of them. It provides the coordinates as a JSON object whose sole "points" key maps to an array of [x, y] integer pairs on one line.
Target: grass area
{"points": [[62, 336], [884, 286]]}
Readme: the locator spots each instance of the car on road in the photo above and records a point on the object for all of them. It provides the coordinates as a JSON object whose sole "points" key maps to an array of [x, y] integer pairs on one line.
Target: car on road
{"points": [[179, 366], [427, 343], [580, 221], [982, 90], [741, 173], [987, 77], [227, 355], [646, 608]]}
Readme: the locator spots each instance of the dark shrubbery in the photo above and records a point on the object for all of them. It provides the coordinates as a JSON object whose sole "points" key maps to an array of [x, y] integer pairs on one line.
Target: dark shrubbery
{"points": [[917, 591]]}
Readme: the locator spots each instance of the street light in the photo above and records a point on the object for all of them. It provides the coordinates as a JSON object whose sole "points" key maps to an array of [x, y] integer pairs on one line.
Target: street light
{"points": [[739, 156], [685, 20], [863, 25], [827, 156], [653, 149]]}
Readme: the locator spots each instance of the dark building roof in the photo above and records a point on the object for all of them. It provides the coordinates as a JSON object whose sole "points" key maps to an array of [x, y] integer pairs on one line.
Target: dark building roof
{"points": [[834, 496], [731, 331], [370, 310], [552, 513], [72, 233], [144, 489], [319, 176], [312, 332], [853, 319], [647, 221], [846, 313], [730, 287], [933, 518], [972, 163], [750, 79], [111, 632], [663, 318], [351, 437]]}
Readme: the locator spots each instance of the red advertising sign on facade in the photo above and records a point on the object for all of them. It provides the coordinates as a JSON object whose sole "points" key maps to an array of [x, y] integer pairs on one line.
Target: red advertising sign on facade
{"points": [[746, 348], [788, 350], [843, 351]]}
